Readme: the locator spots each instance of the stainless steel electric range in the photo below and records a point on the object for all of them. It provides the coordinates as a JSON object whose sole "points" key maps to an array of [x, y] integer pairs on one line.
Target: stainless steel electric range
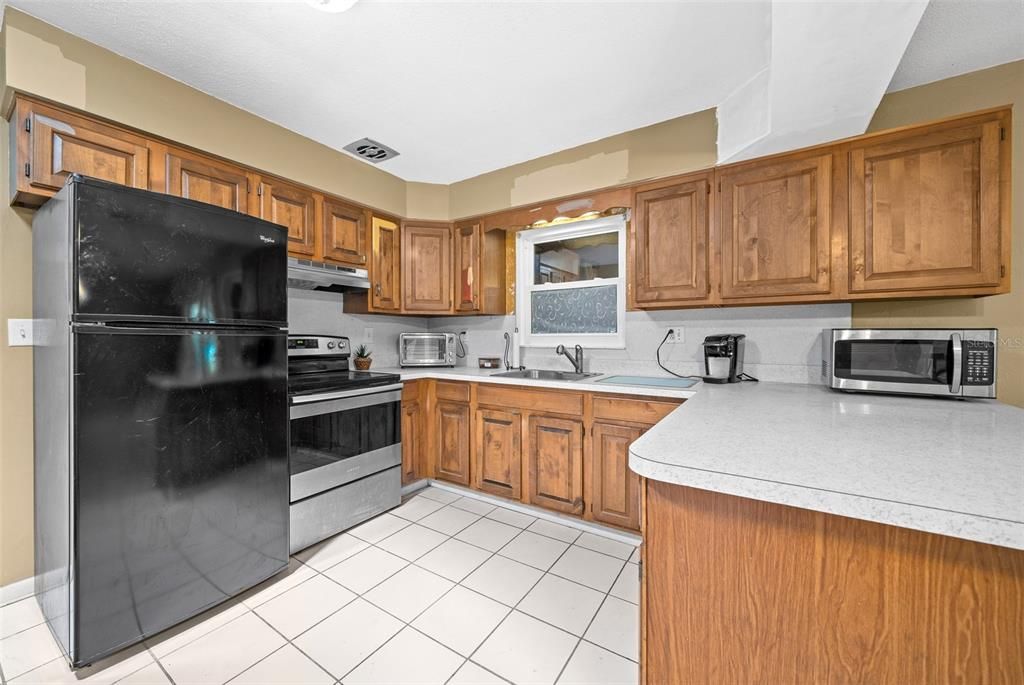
{"points": [[346, 441]]}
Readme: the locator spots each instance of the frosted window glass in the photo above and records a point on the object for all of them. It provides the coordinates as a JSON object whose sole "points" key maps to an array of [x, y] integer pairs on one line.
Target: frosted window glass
{"points": [[575, 310]]}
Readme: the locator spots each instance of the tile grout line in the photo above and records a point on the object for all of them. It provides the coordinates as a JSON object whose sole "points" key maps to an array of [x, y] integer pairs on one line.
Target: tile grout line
{"points": [[409, 522]]}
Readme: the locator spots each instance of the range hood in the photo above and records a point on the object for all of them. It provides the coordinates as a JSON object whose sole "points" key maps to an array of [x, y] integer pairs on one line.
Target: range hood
{"points": [[305, 274]]}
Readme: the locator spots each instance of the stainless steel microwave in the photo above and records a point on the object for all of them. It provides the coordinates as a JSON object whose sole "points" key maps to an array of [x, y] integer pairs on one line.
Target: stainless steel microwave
{"points": [[945, 362], [426, 349]]}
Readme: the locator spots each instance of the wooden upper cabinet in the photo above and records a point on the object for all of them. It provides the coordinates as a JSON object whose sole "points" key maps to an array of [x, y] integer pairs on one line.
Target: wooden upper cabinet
{"points": [[555, 457], [775, 226], [426, 267], [928, 209], [293, 207], [497, 454], [669, 243], [344, 233], [52, 144], [453, 448], [467, 266], [613, 491], [384, 265], [195, 177]]}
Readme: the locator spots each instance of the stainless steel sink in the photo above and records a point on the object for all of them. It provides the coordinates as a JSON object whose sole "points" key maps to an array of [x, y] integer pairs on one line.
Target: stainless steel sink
{"points": [[546, 375]]}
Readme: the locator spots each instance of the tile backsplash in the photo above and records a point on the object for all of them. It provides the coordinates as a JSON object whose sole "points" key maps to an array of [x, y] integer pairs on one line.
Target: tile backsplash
{"points": [[321, 313], [783, 343]]}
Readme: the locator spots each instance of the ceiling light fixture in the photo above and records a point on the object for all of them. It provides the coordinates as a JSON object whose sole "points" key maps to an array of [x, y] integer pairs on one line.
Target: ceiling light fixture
{"points": [[332, 6]]}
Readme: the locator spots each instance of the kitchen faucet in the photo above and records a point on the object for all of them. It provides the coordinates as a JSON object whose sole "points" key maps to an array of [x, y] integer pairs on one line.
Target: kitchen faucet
{"points": [[577, 361]]}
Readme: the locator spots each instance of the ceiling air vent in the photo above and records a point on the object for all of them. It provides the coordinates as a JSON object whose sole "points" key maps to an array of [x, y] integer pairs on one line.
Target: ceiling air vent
{"points": [[371, 150]]}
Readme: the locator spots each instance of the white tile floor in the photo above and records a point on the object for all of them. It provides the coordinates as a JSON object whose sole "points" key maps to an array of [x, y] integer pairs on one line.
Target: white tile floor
{"points": [[443, 589]]}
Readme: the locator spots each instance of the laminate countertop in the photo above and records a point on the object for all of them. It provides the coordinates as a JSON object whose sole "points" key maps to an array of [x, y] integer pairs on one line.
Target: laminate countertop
{"points": [[476, 375], [942, 466]]}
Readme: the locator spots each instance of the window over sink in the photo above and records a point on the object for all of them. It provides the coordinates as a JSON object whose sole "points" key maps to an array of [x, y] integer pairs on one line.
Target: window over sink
{"points": [[572, 286]]}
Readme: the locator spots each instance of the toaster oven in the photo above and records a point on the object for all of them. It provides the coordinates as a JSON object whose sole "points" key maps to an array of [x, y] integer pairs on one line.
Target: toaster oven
{"points": [[915, 361], [426, 349]]}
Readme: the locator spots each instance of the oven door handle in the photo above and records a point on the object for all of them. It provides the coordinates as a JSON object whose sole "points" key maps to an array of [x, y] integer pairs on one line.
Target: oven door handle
{"points": [[958, 363], [328, 403]]}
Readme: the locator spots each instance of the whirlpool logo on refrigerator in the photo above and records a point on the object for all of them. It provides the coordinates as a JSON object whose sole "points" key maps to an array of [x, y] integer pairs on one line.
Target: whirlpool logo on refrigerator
{"points": [[266, 239]]}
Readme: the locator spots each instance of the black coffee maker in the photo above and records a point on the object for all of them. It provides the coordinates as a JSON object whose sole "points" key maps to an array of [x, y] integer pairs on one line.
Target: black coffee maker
{"points": [[723, 358]]}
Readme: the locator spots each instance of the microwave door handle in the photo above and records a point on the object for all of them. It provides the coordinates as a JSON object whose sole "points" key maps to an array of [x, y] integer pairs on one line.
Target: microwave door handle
{"points": [[958, 364]]}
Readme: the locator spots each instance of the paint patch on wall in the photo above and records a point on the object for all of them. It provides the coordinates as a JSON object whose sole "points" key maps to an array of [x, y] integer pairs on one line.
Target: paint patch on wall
{"points": [[596, 171]]}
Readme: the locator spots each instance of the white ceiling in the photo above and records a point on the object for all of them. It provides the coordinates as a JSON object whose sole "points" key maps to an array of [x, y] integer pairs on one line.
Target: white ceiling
{"points": [[958, 36], [462, 88]]}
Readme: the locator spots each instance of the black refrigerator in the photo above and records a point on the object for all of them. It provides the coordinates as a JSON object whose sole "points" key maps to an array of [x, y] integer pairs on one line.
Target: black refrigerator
{"points": [[161, 411]]}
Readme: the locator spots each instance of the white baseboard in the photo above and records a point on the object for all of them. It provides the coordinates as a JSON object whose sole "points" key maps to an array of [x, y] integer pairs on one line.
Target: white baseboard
{"points": [[536, 512], [19, 589]]}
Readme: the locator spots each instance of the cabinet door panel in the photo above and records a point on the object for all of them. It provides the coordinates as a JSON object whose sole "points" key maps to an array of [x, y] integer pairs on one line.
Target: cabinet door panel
{"points": [[426, 268], [614, 495], [775, 226], [344, 233], [63, 144], [467, 267], [670, 243], [556, 463], [205, 180], [412, 441], [294, 208], [453, 442], [497, 458], [925, 211], [384, 266]]}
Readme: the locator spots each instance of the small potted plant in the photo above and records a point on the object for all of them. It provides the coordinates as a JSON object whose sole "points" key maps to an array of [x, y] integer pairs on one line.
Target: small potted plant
{"points": [[363, 360]]}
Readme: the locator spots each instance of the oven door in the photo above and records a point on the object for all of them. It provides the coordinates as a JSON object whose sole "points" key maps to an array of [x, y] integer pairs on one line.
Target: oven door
{"points": [[338, 438]]}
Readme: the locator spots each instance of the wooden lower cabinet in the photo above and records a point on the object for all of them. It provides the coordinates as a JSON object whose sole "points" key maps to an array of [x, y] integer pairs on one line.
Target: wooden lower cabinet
{"points": [[453, 441], [740, 591], [497, 452], [613, 490], [414, 432], [555, 458]]}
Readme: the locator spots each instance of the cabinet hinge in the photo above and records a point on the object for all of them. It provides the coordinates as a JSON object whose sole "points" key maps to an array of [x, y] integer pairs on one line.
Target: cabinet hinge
{"points": [[259, 189], [1002, 133], [719, 186], [28, 124], [1002, 271], [28, 170], [248, 187]]}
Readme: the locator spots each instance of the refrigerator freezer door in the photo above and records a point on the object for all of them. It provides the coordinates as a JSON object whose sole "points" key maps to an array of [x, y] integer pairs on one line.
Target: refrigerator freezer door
{"points": [[181, 473], [151, 257]]}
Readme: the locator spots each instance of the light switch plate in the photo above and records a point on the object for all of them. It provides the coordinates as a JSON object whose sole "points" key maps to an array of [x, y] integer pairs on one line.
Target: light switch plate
{"points": [[678, 336], [367, 335], [19, 332]]}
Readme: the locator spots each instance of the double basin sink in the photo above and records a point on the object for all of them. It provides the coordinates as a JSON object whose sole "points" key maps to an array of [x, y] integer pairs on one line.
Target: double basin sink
{"points": [[546, 375]]}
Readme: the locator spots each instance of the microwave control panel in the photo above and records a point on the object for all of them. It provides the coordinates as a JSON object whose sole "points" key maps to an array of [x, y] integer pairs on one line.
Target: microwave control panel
{"points": [[979, 362]]}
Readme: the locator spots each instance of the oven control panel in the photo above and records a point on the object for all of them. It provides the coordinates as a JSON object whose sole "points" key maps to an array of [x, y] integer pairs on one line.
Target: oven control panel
{"points": [[311, 345], [979, 363]]}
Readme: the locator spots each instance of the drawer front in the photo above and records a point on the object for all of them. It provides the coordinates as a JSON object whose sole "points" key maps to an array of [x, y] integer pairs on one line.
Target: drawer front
{"points": [[634, 409], [454, 392], [540, 400]]}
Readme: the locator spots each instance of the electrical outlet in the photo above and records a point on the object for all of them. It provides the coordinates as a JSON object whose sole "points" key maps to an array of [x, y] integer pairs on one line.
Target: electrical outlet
{"points": [[677, 336], [367, 335], [19, 332]]}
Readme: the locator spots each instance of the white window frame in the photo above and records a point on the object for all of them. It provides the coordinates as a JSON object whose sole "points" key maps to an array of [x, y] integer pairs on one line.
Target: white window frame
{"points": [[525, 244]]}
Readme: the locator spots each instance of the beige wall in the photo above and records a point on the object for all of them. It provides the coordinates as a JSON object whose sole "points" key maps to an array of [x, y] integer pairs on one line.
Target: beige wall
{"points": [[1002, 85], [687, 143]]}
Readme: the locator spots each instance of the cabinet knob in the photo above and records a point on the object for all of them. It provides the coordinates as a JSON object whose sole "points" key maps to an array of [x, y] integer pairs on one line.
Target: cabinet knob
{"points": [[376, 290]]}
